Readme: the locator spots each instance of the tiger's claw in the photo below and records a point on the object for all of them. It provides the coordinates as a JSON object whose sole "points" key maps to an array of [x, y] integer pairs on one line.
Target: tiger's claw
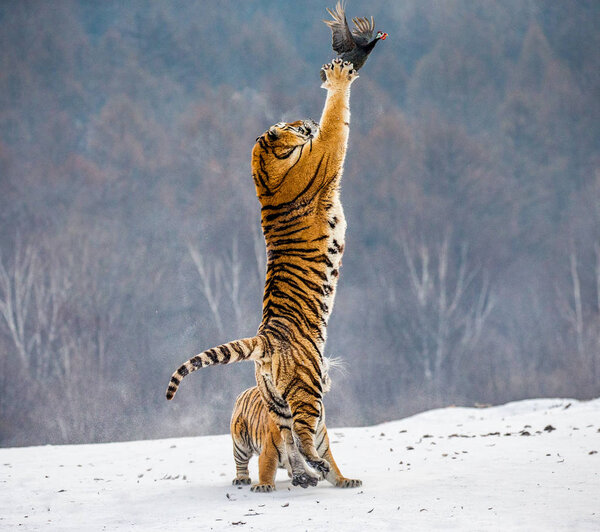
{"points": [[338, 73], [348, 483], [262, 488]]}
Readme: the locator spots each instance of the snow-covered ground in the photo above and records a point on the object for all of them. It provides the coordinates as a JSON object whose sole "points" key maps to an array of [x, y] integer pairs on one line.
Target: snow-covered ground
{"points": [[529, 465]]}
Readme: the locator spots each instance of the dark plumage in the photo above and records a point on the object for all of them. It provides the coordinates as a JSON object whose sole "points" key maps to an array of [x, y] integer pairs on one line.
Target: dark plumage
{"points": [[353, 46]]}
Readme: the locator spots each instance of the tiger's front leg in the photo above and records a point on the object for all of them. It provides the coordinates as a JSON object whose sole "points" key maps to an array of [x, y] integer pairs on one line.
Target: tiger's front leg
{"points": [[335, 119]]}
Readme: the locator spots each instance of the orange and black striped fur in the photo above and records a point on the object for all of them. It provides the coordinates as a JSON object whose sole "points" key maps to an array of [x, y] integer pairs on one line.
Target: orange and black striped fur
{"points": [[254, 431], [297, 168]]}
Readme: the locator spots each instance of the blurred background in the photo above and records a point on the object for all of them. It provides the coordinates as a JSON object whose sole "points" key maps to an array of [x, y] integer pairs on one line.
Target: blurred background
{"points": [[129, 227]]}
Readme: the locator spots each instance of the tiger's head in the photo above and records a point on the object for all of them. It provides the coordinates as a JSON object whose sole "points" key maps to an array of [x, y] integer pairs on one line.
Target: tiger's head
{"points": [[277, 151], [289, 135]]}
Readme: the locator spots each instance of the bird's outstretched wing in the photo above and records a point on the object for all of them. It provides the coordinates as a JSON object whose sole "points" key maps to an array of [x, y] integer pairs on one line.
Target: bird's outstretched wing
{"points": [[342, 40], [363, 29]]}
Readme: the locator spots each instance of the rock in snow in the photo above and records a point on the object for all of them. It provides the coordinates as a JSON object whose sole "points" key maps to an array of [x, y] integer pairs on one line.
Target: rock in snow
{"points": [[467, 469]]}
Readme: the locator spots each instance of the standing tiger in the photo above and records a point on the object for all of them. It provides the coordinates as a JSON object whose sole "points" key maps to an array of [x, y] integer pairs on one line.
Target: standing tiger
{"points": [[254, 431], [297, 168]]}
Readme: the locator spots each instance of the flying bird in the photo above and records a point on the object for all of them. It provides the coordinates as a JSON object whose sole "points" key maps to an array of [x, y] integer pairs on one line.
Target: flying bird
{"points": [[353, 46]]}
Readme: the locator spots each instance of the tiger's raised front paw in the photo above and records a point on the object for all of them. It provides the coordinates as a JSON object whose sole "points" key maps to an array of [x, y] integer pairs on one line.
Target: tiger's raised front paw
{"points": [[337, 74], [348, 483], [240, 481], [304, 480], [263, 488]]}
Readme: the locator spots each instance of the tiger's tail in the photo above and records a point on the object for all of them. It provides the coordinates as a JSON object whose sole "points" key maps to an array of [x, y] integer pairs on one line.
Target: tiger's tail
{"points": [[236, 351]]}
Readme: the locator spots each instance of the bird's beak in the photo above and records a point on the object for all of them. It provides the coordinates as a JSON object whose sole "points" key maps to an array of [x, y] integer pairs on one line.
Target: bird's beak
{"points": [[384, 36]]}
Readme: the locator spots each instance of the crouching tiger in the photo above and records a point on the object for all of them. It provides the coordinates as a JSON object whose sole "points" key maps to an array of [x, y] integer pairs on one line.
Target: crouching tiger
{"points": [[253, 431], [297, 169]]}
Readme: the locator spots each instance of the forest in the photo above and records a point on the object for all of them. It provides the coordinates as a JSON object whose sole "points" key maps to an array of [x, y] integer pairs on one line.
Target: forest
{"points": [[130, 232]]}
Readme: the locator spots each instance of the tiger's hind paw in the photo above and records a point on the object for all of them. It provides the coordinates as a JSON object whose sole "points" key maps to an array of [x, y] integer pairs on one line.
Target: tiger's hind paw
{"points": [[348, 483], [337, 74], [322, 466], [241, 481], [263, 488], [304, 480]]}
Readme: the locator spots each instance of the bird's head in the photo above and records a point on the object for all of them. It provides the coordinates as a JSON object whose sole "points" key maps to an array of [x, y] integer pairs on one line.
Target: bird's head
{"points": [[381, 35]]}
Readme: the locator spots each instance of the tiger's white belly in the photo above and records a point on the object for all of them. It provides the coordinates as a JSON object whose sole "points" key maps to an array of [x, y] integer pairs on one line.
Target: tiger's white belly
{"points": [[338, 233], [335, 247]]}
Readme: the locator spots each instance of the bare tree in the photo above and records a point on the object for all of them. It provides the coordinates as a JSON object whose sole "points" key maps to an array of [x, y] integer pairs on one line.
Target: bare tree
{"points": [[58, 327], [209, 275], [231, 279], [223, 287], [448, 313], [583, 320], [16, 289]]}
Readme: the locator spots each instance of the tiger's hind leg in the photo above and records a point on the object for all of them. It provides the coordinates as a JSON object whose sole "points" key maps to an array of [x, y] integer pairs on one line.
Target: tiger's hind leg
{"points": [[306, 411], [281, 416], [334, 476], [241, 454], [301, 476]]}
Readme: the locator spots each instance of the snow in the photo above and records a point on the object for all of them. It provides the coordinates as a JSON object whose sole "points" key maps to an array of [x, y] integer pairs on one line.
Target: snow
{"points": [[445, 469]]}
